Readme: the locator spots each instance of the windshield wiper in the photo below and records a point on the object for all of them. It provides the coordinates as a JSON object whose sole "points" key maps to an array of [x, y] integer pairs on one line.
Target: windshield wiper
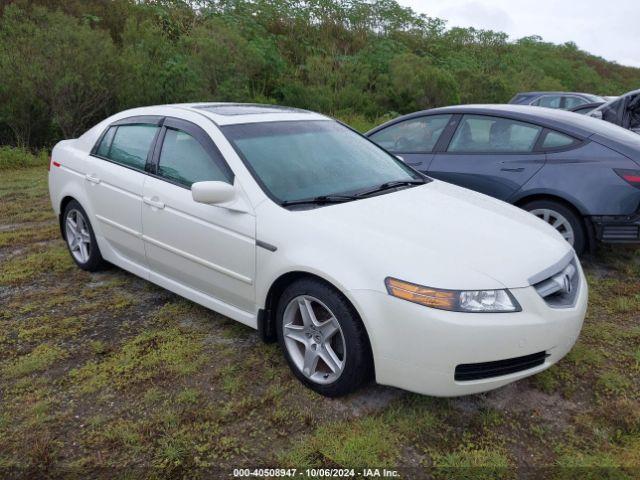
{"points": [[320, 200], [390, 185]]}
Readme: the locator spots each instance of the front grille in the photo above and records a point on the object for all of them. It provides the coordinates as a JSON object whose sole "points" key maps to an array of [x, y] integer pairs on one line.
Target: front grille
{"points": [[620, 233], [561, 289], [478, 371]]}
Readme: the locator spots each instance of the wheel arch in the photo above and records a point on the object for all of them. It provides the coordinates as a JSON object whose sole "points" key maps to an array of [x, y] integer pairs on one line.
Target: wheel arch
{"points": [[63, 204], [582, 217], [266, 315], [571, 203]]}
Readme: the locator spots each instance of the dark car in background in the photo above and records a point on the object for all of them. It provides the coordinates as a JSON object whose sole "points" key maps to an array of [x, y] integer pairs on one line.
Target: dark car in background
{"points": [[561, 100], [623, 111], [586, 108], [577, 173]]}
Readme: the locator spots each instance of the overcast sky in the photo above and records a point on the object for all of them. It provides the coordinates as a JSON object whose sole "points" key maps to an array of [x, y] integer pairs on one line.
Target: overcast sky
{"points": [[608, 28]]}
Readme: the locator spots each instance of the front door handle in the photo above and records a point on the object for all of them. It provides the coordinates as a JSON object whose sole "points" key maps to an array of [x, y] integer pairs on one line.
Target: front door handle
{"points": [[154, 202], [92, 178], [518, 169]]}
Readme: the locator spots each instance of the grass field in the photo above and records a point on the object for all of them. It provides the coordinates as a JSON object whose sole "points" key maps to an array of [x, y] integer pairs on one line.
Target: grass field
{"points": [[106, 372]]}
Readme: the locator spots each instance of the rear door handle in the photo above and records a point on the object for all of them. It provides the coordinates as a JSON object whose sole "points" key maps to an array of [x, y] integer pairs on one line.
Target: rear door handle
{"points": [[154, 202], [92, 178], [519, 169]]}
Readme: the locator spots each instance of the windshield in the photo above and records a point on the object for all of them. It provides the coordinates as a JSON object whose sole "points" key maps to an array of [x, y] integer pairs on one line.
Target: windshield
{"points": [[307, 159]]}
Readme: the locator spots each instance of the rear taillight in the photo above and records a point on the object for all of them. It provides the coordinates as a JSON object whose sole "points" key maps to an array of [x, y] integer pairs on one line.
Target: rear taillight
{"points": [[632, 177]]}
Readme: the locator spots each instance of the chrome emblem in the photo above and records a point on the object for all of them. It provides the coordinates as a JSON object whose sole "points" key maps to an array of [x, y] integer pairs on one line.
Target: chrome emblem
{"points": [[566, 284]]}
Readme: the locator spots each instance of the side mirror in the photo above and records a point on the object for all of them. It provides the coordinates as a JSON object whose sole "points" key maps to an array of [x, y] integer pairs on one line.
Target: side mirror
{"points": [[212, 192], [596, 114]]}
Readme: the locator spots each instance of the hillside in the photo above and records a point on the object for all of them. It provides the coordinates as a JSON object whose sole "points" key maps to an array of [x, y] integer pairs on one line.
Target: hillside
{"points": [[66, 64]]}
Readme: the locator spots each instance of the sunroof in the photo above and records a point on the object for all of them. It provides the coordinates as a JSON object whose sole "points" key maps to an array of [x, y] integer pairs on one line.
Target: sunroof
{"points": [[240, 109]]}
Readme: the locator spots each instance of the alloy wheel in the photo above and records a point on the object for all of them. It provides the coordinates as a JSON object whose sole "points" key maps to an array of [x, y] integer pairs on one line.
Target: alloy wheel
{"points": [[314, 339], [78, 237], [557, 221]]}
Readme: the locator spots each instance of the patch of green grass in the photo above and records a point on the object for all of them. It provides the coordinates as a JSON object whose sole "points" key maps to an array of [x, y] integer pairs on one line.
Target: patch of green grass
{"points": [[361, 443], [232, 381], [585, 357], [613, 383], [23, 236], [626, 304], [17, 157], [473, 462], [40, 358], [98, 347], [49, 327], [123, 433], [547, 381], [160, 354], [43, 260], [188, 396], [23, 196], [173, 452]]}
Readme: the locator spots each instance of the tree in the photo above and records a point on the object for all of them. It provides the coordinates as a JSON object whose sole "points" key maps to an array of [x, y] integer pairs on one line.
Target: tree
{"points": [[56, 74]]}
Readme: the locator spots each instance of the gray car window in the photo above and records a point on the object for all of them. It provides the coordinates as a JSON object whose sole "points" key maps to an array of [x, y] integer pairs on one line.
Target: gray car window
{"points": [[549, 101], [556, 140], [414, 135], [185, 161], [484, 134], [571, 101]]}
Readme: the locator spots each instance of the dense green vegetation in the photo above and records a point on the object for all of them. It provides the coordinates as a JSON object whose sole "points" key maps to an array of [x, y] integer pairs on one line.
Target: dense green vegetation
{"points": [[66, 64]]}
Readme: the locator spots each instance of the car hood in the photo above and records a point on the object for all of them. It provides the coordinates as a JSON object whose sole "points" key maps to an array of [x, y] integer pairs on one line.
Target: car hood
{"points": [[438, 235]]}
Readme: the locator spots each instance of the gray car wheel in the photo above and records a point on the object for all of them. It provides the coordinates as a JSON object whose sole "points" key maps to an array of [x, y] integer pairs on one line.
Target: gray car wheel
{"points": [[567, 222]]}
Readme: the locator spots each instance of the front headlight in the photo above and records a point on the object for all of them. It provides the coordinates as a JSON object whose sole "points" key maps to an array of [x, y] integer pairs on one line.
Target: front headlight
{"points": [[476, 301]]}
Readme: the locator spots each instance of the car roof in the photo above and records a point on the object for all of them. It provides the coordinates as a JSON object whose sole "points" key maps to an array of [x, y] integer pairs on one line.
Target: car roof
{"points": [[558, 93], [226, 113], [554, 118]]}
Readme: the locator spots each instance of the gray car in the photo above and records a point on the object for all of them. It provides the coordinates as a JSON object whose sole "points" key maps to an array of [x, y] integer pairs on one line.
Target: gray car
{"points": [[580, 174], [623, 111], [561, 100]]}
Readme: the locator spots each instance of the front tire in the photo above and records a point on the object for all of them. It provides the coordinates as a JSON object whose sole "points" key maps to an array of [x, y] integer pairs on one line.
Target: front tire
{"points": [[322, 337], [567, 222], [81, 240]]}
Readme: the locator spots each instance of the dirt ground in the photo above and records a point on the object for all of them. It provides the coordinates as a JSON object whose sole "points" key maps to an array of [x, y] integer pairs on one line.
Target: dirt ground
{"points": [[108, 375]]}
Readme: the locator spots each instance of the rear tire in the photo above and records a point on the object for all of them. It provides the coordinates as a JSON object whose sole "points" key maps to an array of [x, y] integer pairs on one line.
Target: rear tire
{"points": [[81, 240], [564, 219], [322, 337]]}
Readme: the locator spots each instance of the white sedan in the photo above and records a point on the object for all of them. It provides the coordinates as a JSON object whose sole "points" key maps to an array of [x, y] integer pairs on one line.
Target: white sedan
{"points": [[295, 225]]}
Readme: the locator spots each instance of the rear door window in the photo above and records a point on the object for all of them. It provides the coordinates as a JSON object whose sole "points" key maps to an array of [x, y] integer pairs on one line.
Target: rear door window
{"points": [[128, 145], [416, 135], [485, 134]]}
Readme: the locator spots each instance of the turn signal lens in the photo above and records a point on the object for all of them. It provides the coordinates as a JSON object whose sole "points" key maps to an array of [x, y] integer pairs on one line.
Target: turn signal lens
{"points": [[479, 301], [430, 297]]}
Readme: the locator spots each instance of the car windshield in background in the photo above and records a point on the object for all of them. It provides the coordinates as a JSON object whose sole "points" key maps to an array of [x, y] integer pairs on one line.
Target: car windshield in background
{"points": [[296, 161], [595, 98]]}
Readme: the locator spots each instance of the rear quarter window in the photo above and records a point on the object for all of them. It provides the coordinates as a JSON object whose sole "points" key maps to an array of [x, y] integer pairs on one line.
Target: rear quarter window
{"points": [[555, 140]]}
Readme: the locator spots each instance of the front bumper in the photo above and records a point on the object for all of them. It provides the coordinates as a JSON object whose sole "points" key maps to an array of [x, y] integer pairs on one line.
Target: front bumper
{"points": [[617, 228], [418, 348]]}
